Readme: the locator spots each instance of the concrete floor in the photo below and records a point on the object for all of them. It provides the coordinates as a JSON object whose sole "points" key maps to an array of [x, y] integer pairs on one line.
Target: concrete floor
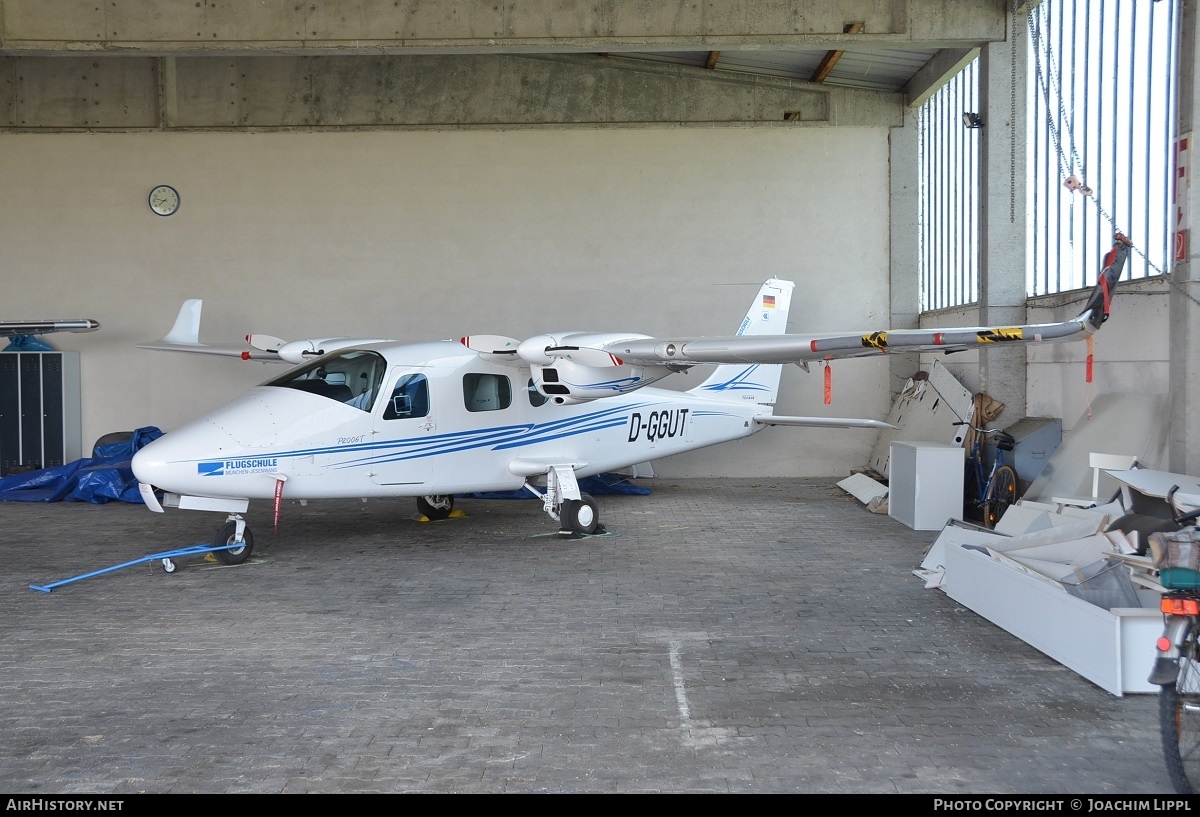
{"points": [[726, 636]]}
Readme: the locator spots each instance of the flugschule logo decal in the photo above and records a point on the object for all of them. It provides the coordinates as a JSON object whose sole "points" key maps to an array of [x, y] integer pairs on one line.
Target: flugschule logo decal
{"points": [[252, 465]]}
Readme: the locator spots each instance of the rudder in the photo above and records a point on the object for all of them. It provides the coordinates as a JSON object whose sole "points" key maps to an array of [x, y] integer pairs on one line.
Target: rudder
{"points": [[737, 382]]}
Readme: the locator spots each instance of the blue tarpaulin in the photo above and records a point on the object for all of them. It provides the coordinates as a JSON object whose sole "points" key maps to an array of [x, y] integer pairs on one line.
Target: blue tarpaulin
{"points": [[103, 477]]}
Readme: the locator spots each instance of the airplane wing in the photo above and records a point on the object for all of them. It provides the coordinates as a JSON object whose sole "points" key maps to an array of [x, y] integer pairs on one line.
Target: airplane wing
{"points": [[185, 337], [13, 328], [793, 348]]}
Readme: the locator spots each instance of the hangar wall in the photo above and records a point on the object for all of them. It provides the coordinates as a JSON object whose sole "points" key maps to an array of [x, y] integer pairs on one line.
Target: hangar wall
{"points": [[417, 234], [1130, 352]]}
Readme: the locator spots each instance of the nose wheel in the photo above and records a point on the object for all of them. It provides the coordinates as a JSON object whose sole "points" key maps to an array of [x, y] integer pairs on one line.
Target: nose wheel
{"points": [[227, 536]]}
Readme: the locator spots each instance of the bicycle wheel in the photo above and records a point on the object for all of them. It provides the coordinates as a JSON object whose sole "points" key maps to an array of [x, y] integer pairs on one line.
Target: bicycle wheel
{"points": [[1002, 492], [1179, 720]]}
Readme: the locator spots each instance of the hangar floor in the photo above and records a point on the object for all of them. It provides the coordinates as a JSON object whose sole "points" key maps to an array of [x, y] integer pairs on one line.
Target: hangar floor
{"points": [[728, 636]]}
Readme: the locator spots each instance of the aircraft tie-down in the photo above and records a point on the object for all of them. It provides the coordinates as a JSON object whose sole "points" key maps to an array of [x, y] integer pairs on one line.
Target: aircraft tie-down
{"points": [[371, 417]]}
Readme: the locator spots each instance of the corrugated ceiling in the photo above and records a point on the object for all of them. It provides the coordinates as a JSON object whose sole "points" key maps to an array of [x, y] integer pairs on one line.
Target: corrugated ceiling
{"points": [[877, 69]]}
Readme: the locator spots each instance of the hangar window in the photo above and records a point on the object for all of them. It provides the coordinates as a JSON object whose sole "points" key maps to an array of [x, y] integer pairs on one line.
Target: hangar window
{"points": [[949, 165], [1097, 153], [486, 392], [1101, 145]]}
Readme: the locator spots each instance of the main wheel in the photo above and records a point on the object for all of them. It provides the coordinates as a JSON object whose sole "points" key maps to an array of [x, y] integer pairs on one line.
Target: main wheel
{"points": [[1001, 493], [226, 535], [1179, 720], [435, 507], [581, 516]]}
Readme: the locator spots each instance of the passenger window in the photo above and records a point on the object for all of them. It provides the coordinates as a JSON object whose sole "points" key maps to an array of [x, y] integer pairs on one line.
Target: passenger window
{"points": [[410, 398], [536, 398], [486, 392]]}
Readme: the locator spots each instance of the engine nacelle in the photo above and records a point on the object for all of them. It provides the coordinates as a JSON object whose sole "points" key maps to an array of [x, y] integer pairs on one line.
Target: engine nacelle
{"points": [[302, 351], [569, 383], [579, 347]]}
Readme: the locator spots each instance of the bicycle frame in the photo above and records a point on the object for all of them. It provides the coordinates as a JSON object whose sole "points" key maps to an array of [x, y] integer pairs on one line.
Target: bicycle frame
{"points": [[990, 494], [981, 483]]}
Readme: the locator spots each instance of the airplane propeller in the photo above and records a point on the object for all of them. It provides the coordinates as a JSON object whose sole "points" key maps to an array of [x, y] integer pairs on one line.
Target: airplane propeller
{"points": [[493, 348], [266, 343]]}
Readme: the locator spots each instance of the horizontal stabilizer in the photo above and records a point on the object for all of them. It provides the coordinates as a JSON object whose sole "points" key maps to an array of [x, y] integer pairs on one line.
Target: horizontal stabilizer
{"points": [[821, 422]]}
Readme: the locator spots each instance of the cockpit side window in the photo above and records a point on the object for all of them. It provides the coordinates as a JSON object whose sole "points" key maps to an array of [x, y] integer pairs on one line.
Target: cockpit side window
{"points": [[486, 392], [410, 398], [352, 377]]}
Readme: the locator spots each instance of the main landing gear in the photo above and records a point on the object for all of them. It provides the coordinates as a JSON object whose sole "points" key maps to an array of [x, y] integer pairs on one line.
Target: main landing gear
{"points": [[435, 508], [577, 513], [579, 516]]}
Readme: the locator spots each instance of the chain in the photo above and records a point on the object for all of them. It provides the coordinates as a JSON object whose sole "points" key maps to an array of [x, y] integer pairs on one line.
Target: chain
{"points": [[1012, 115]]}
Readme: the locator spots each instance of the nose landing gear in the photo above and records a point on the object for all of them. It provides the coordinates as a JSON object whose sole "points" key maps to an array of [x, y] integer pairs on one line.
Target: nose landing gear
{"points": [[233, 542]]}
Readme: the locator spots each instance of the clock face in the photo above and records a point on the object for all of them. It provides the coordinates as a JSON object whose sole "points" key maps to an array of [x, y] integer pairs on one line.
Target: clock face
{"points": [[164, 200]]}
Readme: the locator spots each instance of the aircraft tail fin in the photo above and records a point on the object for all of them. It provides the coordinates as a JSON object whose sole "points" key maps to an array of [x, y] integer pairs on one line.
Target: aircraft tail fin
{"points": [[755, 382]]}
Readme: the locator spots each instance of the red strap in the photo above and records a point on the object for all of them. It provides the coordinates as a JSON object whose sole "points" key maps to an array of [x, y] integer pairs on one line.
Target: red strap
{"points": [[1090, 358], [278, 501], [1107, 294], [828, 384]]}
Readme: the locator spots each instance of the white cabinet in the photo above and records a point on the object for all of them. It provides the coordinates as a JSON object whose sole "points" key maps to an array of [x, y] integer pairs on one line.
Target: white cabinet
{"points": [[925, 483]]}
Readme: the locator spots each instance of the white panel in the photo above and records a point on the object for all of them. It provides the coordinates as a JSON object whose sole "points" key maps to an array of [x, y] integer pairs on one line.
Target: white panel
{"points": [[1113, 649]]}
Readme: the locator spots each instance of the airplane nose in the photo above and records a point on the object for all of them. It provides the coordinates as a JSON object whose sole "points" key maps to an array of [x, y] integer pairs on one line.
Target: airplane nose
{"points": [[149, 463], [169, 463]]}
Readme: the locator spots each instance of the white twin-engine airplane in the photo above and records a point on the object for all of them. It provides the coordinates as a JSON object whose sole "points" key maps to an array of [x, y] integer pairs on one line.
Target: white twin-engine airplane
{"points": [[376, 418]]}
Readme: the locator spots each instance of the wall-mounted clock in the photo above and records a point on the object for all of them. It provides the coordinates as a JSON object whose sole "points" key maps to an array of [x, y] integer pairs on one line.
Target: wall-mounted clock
{"points": [[164, 200]]}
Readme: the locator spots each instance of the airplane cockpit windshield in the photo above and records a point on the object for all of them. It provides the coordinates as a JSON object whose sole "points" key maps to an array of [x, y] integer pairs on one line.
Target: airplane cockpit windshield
{"points": [[352, 377]]}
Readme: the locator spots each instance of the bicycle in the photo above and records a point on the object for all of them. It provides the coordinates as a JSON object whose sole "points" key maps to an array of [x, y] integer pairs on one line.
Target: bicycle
{"points": [[1176, 669], [989, 493]]}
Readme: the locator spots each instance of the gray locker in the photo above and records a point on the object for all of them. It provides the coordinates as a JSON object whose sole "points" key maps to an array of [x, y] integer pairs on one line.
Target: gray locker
{"points": [[40, 411]]}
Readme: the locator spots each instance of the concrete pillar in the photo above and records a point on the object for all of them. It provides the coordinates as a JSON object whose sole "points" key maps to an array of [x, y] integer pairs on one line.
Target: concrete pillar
{"points": [[1183, 450], [1002, 370], [904, 250]]}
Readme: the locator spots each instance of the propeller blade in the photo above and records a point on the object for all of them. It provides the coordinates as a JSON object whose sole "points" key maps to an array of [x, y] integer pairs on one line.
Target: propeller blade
{"points": [[265, 343], [490, 344]]}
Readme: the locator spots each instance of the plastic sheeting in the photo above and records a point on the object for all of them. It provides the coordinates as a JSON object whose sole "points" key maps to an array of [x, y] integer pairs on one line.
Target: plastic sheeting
{"points": [[104, 477]]}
